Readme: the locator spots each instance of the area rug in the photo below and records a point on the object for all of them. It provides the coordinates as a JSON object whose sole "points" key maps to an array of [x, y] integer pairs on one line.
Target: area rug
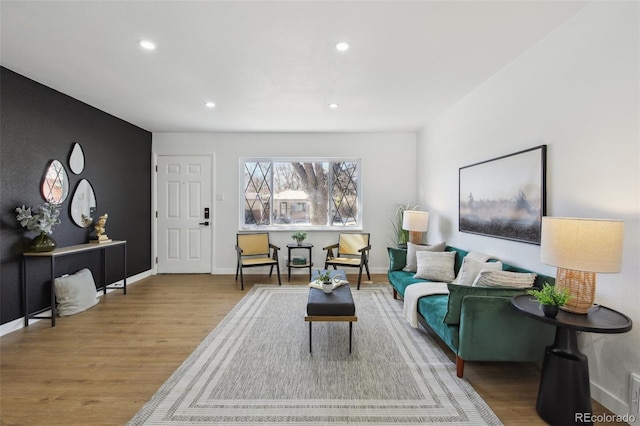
{"points": [[255, 368]]}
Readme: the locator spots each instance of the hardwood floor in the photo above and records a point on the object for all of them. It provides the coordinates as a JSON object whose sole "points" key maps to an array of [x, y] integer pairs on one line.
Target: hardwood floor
{"points": [[101, 366]]}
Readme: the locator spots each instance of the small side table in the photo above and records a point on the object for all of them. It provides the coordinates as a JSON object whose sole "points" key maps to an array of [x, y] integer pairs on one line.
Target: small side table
{"points": [[564, 391], [290, 263]]}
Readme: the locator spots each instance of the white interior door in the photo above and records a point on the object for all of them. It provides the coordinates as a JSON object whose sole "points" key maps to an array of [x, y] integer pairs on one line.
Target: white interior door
{"points": [[184, 198]]}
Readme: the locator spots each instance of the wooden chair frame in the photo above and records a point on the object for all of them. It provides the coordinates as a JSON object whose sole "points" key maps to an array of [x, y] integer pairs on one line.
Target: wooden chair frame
{"points": [[256, 253], [348, 255]]}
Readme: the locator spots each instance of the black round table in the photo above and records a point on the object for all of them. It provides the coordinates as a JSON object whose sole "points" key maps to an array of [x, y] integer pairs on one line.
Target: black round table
{"points": [[564, 396]]}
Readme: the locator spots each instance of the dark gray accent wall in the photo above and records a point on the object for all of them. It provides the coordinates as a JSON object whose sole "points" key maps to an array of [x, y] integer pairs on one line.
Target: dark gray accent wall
{"points": [[39, 124]]}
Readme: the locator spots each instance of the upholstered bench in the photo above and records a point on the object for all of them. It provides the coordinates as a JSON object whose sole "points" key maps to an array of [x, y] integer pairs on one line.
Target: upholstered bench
{"points": [[335, 306]]}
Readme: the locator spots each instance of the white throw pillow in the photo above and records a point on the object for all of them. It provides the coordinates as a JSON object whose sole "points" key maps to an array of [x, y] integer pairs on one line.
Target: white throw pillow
{"points": [[488, 278], [412, 249], [471, 268], [436, 266], [75, 293]]}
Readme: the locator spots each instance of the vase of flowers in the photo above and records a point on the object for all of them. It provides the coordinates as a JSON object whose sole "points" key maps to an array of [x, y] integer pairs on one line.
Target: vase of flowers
{"points": [[41, 222]]}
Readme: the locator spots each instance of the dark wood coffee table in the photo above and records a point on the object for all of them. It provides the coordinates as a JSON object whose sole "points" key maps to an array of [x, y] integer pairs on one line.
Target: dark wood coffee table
{"points": [[335, 306]]}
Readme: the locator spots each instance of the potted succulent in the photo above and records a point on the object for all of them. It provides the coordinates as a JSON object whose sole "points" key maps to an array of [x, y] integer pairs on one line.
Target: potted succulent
{"points": [[551, 298], [299, 236], [42, 222], [324, 278]]}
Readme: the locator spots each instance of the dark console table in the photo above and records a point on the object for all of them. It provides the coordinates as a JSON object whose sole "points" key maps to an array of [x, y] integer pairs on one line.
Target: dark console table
{"points": [[67, 251], [564, 392]]}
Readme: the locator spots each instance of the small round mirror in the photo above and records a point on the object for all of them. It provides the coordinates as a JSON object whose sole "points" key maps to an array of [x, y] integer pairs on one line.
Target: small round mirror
{"points": [[55, 183], [76, 159], [83, 204]]}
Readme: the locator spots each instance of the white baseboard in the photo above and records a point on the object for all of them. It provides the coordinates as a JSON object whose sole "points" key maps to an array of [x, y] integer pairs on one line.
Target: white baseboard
{"points": [[612, 403], [17, 324]]}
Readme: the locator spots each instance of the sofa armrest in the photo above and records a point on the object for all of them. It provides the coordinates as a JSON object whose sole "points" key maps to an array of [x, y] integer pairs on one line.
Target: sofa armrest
{"points": [[492, 330]]}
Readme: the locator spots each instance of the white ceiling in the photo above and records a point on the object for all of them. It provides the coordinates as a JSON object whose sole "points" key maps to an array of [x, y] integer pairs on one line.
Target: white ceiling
{"points": [[271, 65]]}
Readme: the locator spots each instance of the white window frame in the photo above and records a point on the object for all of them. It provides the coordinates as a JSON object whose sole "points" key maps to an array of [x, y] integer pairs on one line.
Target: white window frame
{"points": [[358, 226]]}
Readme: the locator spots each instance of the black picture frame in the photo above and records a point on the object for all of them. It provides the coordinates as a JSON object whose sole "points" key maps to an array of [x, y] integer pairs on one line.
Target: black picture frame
{"points": [[504, 197]]}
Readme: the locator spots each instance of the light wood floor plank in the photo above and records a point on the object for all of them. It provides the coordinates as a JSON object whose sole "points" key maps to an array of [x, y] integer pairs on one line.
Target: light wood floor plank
{"points": [[101, 366]]}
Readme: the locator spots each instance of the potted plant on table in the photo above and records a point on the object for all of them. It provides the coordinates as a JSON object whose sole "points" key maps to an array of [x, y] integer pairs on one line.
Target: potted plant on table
{"points": [[299, 236], [324, 278], [551, 298]]}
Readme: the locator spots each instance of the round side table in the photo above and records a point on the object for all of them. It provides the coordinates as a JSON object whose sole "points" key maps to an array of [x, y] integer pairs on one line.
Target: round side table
{"points": [[564, 394]]}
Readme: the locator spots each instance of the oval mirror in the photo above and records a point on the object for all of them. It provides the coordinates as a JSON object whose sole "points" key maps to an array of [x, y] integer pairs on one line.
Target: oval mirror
{"points": [[76, 159], [55, 183], [83, 204]]}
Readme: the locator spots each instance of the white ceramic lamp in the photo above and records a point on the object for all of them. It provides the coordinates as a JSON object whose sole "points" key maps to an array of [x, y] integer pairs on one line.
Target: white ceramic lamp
{"points": [[416, 223], [580, 248]]}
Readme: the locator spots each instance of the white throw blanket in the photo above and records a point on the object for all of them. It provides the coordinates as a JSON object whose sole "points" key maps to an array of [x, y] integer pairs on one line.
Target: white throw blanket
{"points": [[336, 284], [414, 292]]}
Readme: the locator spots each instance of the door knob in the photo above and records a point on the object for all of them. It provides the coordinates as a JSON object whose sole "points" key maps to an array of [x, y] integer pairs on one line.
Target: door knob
{"points": [[204, 223]]}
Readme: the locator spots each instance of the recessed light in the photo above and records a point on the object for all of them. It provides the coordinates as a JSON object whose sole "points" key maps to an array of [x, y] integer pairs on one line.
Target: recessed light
{"points": [[343, 46], [147, 44], [210, 104], [333, 106]]}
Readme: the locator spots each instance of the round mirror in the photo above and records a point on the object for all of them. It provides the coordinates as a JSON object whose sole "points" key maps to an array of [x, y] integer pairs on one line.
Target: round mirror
{"points": [[55, 183], [83, 204], [76, 159]]}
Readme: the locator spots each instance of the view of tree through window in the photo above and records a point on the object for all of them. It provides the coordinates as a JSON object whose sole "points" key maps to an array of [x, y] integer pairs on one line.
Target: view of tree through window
{"points": [[306, 193]]}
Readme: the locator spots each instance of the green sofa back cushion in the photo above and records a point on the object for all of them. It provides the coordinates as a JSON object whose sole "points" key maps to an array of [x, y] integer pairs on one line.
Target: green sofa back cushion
{"points": [[459, 292]]}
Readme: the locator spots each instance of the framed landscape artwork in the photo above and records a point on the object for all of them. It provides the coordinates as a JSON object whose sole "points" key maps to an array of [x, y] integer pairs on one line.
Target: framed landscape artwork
{"points": [[505, 197]]}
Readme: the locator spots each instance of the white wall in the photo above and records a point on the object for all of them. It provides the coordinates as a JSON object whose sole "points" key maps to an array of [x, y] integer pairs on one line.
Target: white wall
{"points": [[388, 179], [577, 91]]}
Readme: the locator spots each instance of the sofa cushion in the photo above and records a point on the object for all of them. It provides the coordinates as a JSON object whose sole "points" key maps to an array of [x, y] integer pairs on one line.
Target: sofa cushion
{"points": [[458, 292], [433, 309], [471, 268], [436, 266], [493, 278], [400, 280], [413, 249]]}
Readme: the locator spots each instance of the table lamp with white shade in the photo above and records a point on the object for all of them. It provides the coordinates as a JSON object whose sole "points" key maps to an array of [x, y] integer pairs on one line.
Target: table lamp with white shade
{"points": [[416, 222], [580, 248]]}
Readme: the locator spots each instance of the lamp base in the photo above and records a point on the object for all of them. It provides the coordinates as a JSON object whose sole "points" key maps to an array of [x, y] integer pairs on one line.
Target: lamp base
{"points": [[415, 237], [581, 286]]}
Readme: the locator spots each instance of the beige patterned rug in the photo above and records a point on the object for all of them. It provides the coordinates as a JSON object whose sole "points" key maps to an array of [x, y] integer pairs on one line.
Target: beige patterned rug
{"points": [[255, 369]]}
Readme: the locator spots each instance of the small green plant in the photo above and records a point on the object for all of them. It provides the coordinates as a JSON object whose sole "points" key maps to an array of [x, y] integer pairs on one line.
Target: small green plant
{"points": [[299, 236], [550, 295], [323, 276]]}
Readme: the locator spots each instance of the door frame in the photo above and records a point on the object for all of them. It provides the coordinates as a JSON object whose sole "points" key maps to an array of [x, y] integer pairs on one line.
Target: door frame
{"points": [[154, 205]]}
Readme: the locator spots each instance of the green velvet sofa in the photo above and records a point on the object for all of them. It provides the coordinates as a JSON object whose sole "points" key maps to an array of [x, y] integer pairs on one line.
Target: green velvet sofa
{"points": [[477, 323]]}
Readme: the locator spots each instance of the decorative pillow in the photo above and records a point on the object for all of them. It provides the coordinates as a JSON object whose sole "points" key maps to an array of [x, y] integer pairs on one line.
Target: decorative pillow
{"points": [[412, 249], [436, 266], [397, 258], [75, 293], [458, 292], [471, 268], [489, 278]]}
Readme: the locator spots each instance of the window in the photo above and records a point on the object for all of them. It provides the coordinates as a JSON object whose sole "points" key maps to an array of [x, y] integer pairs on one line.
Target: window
{"points": [[300, 193]]}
